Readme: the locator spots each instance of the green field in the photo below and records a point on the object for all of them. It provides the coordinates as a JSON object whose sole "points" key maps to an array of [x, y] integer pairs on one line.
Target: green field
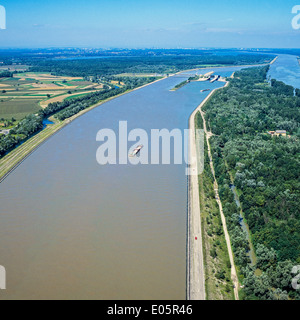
{"points": [[18, 108], [23, 94], [76, 96]]}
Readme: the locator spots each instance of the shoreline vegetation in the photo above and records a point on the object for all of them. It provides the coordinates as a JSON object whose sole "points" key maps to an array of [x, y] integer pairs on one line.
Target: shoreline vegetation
{"points": [[246, 281], [263, 170], [180, 85], [190, 79]]}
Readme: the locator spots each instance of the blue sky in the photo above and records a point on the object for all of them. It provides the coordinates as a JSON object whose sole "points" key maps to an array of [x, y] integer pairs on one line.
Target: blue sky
{"points": [[144, 23]]}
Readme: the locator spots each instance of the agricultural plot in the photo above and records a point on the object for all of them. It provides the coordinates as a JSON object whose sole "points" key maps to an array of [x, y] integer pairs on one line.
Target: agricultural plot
{"points": [[27, 92], [18, 108]]}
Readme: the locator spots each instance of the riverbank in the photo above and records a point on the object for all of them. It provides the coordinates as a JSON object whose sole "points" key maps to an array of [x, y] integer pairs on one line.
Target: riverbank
{"points": [[180, 85], [273, 60], [14, 158], [195, 267], [195, 261]]}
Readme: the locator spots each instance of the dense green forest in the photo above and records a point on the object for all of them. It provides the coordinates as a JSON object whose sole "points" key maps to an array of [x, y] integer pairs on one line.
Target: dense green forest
{"points": [[265, 171], [6, 74], [140, 64]]}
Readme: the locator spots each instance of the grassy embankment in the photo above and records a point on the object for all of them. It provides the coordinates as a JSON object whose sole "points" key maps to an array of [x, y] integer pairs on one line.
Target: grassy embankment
{"points": [[216, 260], [180, 85]]}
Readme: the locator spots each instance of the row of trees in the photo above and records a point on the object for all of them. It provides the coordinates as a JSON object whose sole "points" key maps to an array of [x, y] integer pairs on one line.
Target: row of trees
{"points": [[77, 106], [24, 129], [68, 108], [180, 85], [163, 63], [6, 74], [265, 171]]}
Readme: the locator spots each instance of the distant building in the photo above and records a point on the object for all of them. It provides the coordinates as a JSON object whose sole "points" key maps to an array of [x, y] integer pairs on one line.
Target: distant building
{"points": [[277, 133]]}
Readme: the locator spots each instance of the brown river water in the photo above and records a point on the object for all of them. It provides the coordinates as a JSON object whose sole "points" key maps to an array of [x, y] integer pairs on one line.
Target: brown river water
{"points": [[73, 229]]}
